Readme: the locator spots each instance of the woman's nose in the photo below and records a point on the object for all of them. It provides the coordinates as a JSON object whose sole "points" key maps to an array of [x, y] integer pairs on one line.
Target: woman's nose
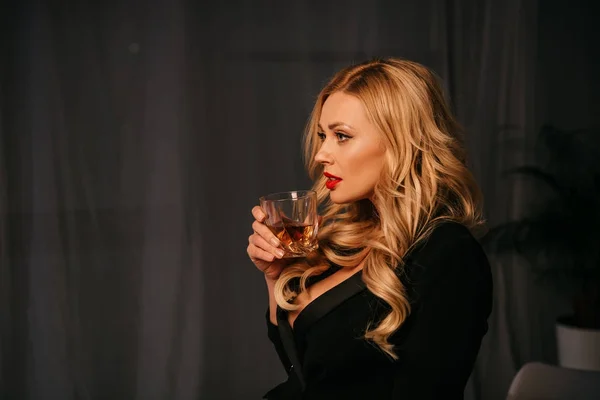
{"points": [[323, 156]]}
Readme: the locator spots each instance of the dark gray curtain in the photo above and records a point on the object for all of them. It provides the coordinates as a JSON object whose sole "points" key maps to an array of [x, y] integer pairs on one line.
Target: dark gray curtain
{"points": [[135, 137]]}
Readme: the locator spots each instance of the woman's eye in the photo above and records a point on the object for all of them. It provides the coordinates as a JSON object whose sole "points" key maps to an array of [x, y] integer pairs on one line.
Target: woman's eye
{"points": [[341, 137]]}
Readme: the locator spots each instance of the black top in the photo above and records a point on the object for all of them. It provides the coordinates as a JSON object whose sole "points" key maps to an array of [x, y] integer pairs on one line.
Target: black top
{"points": [[450, 289]]}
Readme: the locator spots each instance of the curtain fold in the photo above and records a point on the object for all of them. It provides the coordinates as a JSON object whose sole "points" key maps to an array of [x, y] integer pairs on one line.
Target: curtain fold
{"points": [[493, 48]]}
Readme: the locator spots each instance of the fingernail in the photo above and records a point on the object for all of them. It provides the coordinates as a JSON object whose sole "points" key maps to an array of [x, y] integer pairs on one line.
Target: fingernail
{"points": [[275, 242], [280, 253]]}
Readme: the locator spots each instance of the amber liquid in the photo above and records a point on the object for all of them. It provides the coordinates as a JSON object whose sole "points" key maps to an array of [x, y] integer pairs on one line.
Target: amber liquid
{"points": [[296, 239]]}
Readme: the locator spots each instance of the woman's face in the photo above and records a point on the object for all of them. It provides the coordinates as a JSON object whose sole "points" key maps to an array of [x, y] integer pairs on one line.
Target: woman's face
{"points": [[352, 152]]}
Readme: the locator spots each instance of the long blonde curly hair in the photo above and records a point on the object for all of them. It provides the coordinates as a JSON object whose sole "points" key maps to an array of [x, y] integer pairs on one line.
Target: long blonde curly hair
{"points": [[425, 180]]}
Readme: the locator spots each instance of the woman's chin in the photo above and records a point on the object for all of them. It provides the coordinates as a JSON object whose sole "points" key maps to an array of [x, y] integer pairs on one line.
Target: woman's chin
{"points": [[339, 198], [336, 198]]}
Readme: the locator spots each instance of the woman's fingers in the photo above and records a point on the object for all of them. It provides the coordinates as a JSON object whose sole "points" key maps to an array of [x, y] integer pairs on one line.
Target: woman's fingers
{"points": [[265, 233], [258, 213], [260, 228], [262, 244], [263, 247], [258, 254]]}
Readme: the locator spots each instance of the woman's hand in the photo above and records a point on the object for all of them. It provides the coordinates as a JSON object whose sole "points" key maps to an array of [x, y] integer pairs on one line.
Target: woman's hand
{"points": [[264, 248]]}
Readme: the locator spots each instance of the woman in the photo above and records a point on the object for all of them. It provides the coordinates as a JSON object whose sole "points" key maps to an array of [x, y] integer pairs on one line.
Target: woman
{"points": [[394, 303]]}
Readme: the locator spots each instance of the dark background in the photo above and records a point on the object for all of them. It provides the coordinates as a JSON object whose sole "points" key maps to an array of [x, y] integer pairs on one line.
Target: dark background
{"points": [[136, 136]]}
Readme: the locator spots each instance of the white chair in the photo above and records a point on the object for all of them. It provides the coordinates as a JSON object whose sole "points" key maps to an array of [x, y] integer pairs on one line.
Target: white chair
{"points": [[538, 381]]}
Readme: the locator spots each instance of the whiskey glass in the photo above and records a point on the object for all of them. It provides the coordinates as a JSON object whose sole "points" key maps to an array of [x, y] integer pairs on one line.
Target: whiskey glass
{"points": [[293, 219]]}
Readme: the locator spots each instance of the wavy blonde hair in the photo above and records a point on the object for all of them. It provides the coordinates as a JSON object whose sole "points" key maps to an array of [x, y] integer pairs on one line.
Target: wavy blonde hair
{"points": [[425, 180]]}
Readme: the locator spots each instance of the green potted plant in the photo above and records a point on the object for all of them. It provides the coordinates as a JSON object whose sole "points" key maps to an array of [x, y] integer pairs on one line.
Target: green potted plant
{"points": [[559, 235]]}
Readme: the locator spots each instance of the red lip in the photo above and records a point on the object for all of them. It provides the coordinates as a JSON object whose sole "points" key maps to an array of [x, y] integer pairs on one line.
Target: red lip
{"points": [[331, 184], [332, 181], [327, 174]]}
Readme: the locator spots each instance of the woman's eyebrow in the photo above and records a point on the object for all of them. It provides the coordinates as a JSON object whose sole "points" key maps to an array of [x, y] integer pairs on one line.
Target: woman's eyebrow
{"points": [[334, 125]]}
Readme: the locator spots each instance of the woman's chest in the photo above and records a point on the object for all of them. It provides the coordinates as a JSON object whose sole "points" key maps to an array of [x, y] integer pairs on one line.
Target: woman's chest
{"points": [[314, 292], [335, 344]]}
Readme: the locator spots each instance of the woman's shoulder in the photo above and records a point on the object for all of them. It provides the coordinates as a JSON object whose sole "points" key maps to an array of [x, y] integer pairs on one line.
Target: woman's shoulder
{"points": [[444, 237], [449, 249]]}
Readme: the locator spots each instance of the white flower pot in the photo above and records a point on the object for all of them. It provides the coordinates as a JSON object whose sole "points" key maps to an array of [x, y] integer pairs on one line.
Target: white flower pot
{"points": [[577, 347]]}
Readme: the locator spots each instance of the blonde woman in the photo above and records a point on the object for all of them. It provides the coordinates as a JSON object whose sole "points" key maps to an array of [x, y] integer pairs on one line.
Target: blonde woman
{"points": [[394, 303]]}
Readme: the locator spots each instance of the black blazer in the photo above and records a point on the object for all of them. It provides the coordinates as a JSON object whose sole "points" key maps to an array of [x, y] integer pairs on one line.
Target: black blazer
{"points": [[450, 288]]}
